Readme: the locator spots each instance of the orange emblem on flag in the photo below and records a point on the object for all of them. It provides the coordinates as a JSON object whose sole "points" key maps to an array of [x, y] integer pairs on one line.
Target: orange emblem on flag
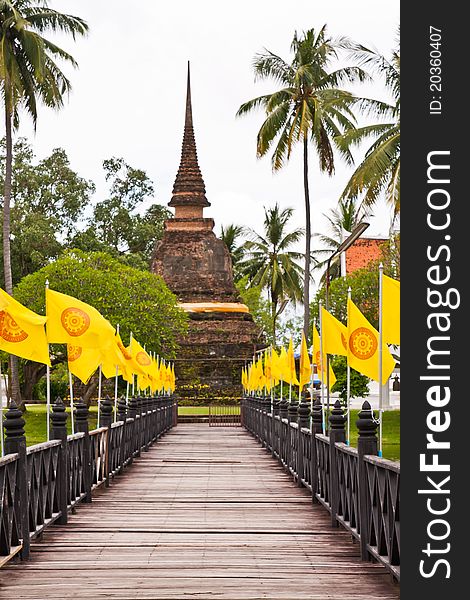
{"points": [[143, 359], [75, 321], [362, 343], [10, 330], [73, 352], [127, 355]]}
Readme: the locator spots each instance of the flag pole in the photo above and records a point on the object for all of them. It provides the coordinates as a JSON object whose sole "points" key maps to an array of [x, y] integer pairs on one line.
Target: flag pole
{"points": [[116, 383], [71, 402], [348, 390], [322, 374], [271, 379], [381, 271], [48, 385], [1, 412], [130, 340], [99, 396]]}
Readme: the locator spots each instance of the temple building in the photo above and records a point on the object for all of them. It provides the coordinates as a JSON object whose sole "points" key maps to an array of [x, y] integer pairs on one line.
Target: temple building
{"points": [[197, 268]]}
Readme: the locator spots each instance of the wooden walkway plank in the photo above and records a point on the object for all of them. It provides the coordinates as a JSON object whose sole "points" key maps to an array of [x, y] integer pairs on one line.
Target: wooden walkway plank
{"points": [[206, 513]]}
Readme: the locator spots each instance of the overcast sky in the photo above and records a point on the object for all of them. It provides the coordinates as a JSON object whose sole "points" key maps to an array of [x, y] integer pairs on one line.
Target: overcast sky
{"points": [[128, 95]]}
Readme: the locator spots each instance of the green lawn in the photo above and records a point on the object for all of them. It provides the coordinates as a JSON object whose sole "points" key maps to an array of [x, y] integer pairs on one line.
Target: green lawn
{"points": [[35, 422], [35, 426]]}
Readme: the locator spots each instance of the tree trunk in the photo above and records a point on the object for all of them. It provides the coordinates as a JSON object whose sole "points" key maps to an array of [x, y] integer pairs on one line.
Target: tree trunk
{"points": [[32, 374], [90, 391], [13, 360], [308, 235], [274, 318]]}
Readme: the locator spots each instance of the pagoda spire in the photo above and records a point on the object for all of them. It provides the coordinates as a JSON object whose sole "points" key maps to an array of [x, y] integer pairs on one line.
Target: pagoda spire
{"points": [[189, 189]]}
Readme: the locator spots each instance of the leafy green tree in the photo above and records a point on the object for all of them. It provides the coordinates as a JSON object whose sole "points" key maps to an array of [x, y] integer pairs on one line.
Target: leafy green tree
{"points": [[138, 301], [231, 236], [310, 108], [49, 201], [116, 226], [358, 383], [271, 265], [379, 172], [29, 74]]}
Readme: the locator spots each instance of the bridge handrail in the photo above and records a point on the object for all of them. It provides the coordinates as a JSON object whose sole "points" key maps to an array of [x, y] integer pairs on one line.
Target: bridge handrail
{"points": [[359, 489], [44, 482]]}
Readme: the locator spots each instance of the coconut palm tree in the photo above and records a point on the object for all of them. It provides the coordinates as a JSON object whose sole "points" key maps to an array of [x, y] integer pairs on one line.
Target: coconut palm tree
{"points": [[379, 172], [230, 235], [309, 107], [271, 265], [341, 221], [29, 74]]}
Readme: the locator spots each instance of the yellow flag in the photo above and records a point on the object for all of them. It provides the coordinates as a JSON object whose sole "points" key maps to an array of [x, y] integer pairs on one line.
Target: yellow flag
{"points": [[284, 365], [83, 362], [363, 346], [71, 321], [390, 310], [116, 356], [244, 379], [316, 359], [334, 334], [292, 375], [275, 366], [305, 369], [268, 368], [22, 331]]}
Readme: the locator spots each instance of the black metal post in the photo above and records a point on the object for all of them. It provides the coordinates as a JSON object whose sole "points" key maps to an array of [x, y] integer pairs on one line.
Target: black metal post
{"points": [[15, 442], [317, 422], [303, 415], [81, 420], [337, 434], [59, 432], [366, 444]]}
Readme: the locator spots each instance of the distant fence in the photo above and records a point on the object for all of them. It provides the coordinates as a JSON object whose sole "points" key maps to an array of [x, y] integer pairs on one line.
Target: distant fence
{"points": [[360, 490], [224, 416], [39, 485]]}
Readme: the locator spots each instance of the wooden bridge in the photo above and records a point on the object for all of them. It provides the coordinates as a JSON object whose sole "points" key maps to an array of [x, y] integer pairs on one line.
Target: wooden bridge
{"points": [[203, 513]]}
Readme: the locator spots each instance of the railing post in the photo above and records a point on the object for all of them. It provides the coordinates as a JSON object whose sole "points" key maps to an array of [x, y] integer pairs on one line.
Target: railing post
{"points": [[265, 409], [15, 442], [275, 428], [59, 432], [317, 420], [303, 415], [106, 418], [133, 408], [122, 416], [292, 416], [337, 420], [81, 420], [106, 412], [366, 444], [283, 431]]}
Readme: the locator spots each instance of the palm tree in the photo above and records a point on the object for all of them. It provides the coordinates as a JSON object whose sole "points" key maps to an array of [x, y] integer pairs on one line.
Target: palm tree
{"points": [[341, 221], [231, 235], [379, 172], [308, 107], [270, 264], [29, 74]]}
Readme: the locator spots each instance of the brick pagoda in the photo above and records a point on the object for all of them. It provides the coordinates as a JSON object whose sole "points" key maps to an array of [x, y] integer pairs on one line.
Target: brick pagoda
{"points": [[197, 267]]}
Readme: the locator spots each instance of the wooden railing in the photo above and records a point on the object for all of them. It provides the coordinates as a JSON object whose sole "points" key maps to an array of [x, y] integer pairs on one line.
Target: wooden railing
{"points": [[41, 484], [360, 490]]}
